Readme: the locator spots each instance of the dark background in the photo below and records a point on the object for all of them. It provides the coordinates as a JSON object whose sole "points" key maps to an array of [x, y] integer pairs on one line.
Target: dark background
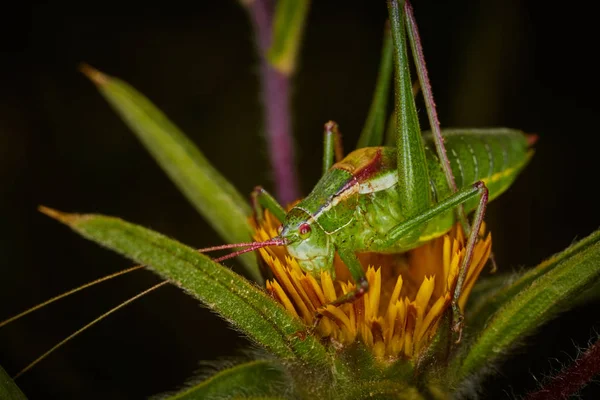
{"points": [[493, 63]]}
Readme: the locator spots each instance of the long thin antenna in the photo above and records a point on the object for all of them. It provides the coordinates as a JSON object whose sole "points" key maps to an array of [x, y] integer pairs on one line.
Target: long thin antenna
{"points": [[270, 242], [65, 294], [257, 245], [77, 332], [251, 246]]}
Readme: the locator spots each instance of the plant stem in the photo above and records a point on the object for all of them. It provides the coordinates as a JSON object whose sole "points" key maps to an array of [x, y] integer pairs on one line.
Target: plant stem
{"points": [[572, 379], [275, 87]]}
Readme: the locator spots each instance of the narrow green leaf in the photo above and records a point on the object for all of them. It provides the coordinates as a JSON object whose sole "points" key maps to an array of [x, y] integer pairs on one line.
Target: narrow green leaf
{"points": [[288, 27], [240, 302], [208, 191], [372, 133], [486, 306], [252, 379], [557, 283], [8, 388]]}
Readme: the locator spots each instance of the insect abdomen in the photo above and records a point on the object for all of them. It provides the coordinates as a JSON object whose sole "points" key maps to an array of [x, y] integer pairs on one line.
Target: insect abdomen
{"points": [[494, 156]]}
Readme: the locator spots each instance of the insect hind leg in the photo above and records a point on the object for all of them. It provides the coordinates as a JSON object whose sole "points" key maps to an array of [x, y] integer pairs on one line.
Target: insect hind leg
{"points": [[458, 316], [401, 230]]}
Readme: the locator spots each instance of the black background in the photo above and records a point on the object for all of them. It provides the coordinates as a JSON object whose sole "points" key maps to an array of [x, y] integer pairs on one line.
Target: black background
{"points": [[495, 63]]}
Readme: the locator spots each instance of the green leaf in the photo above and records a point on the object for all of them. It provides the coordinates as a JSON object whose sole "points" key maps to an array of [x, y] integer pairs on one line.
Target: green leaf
{"points": [[543, 292], [208, 191], [288, 27], [249, 380], [506, 288], [8, 388], [238, 301], [372, 133]]}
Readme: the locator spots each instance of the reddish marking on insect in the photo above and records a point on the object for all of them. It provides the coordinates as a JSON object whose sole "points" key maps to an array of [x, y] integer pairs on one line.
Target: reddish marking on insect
{"points": [[370, 168], [366, 172]]}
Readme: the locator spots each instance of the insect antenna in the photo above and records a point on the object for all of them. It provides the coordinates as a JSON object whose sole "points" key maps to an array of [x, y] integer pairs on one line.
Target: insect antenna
{"points": [[90, 324], [250, 246], [68, 293]]}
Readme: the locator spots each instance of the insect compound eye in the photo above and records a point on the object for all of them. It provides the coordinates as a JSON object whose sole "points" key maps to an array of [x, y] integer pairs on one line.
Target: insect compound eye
{"points": [[304, 230]]}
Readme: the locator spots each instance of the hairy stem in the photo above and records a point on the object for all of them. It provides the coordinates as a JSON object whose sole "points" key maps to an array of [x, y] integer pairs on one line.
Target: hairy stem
{"points": [[572, 379], [275, 88]]}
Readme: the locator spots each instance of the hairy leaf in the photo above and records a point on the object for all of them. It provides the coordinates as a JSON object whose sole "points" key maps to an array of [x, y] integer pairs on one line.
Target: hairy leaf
{"points": [[249, 380], [555, 284], [505, 291], [240, 302], [210, 193]]}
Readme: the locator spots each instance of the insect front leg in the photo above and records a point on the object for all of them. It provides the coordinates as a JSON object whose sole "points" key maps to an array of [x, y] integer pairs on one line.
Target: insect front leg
{"points": [[407, 228], [261, 199], [358, 274], [360, 280], [332, 145]]}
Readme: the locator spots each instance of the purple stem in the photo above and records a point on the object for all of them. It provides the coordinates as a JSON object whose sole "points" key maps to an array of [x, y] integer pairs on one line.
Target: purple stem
{"points": [[571, 380], [276, 104]]}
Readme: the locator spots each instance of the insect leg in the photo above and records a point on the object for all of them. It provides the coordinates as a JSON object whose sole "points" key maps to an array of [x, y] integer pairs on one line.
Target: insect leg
{"points": [[460, 197], [260, 200], [413, 176], [466, 263], [360, 280], [332, 146], [358, 274], [434, 123]]}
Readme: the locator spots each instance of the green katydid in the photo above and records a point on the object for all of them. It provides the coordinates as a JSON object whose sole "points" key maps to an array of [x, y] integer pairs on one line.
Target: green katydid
{"points": [[390, 200]]}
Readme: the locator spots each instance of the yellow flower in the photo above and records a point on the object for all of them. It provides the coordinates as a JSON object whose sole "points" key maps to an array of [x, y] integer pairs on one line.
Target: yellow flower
{"points": [[408, 293]]}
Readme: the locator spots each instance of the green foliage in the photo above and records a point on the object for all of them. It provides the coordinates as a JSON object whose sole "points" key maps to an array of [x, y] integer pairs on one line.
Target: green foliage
{"points": [[210, 193], [242, 303], [490, 296], [536, 298], [290, 16], [254, 379]]}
